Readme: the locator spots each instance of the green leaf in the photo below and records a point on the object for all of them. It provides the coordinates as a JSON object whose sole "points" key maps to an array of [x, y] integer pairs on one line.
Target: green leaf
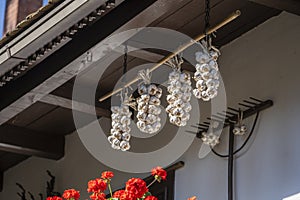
{"points": [[112, 198], [147, 194]]}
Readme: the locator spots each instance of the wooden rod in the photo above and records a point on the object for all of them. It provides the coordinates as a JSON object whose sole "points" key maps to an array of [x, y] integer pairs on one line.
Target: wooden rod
{"points": [[230, 18]]}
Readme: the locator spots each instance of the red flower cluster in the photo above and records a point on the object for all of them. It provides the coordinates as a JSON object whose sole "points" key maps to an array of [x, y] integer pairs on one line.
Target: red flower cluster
{"points": [[98, 196], [54, 198], [98, 185], [135, 189], [71, 194], [124, 195], [107, 175], [136, 186], [159, 173], [151, 198]]}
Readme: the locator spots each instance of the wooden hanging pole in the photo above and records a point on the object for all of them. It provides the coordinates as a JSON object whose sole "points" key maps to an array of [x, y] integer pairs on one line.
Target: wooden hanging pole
{"points": [[230, 18]]}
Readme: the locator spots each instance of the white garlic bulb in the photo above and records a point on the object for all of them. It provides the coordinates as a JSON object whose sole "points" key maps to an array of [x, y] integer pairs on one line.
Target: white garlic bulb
{"points": [[210, 139], [120, 131], [206, 75], [148, 108], [179, 87], [240, 130]]}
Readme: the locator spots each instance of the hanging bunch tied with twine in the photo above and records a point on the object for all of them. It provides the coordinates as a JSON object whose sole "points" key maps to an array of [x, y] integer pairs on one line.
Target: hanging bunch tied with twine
{"points": [[210, 138], [148, 104], [120, 132], [240, 128], [179, 88], [206, 75], [207, 70]]}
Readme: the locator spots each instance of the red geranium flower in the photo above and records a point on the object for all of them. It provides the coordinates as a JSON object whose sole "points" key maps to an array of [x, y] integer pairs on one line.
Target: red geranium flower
{"points": [[71, 194], [54, 198], [107, 175], [124, 195], [118, 193], [98, 185], [137, 187], [98, 196], [151, 198], [159, 173]]}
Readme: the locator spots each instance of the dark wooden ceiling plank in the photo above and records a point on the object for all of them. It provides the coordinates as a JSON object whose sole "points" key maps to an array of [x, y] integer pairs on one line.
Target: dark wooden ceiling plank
{"points": [[292, 6], [250, 11], [75, 105], [253, 15], [58, 122], [65, 90], [26, 142], [185, 14], [1, 154], [11, 159], [106, 83], [1, 180], [37, 110], [217, 14]]}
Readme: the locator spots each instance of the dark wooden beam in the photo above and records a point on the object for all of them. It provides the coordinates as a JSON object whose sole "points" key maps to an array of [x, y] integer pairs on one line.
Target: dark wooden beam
{"points": [[8, 160], [26, 142], [1, 181], [75, 105], [82, 42], [292, 6]]}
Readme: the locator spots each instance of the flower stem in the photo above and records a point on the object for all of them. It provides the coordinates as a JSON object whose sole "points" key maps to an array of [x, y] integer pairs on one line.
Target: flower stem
{"points": [[110, 191], [151, 183]]}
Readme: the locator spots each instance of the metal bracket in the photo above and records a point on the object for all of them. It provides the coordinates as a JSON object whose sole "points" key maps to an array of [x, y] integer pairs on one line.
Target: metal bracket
{"points": [[230, 117]]}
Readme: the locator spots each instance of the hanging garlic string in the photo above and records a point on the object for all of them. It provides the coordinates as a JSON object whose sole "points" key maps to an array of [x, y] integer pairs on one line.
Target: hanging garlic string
{"points": [[148, 104], [207, 70], [240, 128], [179, 88], [210, 139], [120, 132]]}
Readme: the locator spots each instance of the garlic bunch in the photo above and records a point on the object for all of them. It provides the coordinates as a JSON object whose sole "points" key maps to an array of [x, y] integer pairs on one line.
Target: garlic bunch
{"points": [[120, 132], [210, 139], [240, 130], [148, 105], [206, 75], [179, 88]]}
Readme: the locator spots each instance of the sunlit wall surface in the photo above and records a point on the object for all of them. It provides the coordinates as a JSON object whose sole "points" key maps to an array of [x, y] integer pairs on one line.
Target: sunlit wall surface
{"points": [[294, 197]]}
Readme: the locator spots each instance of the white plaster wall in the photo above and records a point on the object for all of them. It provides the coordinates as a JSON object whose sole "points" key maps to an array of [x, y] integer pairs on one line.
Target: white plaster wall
{"points": [[263, 63]]}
